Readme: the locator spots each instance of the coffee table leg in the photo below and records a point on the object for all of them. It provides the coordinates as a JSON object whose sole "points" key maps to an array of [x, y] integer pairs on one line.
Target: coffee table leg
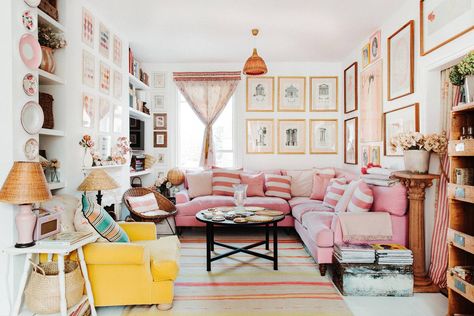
{"points": [[208, 246], [267, 237], [275, 246], [212, 238]]}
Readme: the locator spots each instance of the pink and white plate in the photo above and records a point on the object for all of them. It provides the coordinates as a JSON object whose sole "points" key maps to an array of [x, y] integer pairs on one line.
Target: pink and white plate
{"points": [[30, 51], [29, 20], [30, 85]]}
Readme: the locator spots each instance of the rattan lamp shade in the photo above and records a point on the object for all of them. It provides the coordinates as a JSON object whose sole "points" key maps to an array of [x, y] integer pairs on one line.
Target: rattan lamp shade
{"points": [[98, 180], [255, 65], [25, 184]]}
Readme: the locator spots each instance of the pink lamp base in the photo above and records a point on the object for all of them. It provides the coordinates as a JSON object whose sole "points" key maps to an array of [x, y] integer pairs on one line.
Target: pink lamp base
{"points": [[25, 226]]}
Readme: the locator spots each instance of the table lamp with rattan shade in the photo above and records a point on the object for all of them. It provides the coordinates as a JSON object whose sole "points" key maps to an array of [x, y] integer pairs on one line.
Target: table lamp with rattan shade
{"points": [[25, 185], [98, 180]]}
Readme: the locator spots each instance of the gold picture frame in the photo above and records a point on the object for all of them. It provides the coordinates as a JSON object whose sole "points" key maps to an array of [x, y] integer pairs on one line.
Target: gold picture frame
{"points": [[313, 107], [311, 135], [354, 121], [299, 140], [250, 107], [271, 123], [366, 55], [301, 107]]}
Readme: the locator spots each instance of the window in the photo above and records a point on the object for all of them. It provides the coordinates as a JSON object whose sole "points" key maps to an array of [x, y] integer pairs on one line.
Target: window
{"points": [[191, 133]]}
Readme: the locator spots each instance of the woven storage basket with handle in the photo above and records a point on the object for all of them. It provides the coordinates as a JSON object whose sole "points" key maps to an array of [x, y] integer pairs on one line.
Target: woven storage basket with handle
{"points": [[46, 103], [42, 291]]}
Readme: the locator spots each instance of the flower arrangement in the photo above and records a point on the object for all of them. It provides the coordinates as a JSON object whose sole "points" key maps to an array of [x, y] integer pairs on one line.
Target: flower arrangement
{"points": [[437, 143], [121, 150], [49, 38], [87, 142], [462, 70]]}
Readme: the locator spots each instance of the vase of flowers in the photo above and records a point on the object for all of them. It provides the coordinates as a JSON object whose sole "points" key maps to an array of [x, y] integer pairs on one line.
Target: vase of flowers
{"points": [[49, 40], [462, 75], [88, 144]]}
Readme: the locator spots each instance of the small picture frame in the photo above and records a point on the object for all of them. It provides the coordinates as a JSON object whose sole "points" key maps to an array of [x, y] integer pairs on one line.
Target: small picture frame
{"points": [[117, 51], [88, 110], [88, 28], [292, 136], [159, 80], [366, 55], [117, 86], [260, 94], [350, 88], [158, 102], [104, 41], [323, 136], [323, 94], [260, 136], [160, 121], [402, 120], [104, 84], [161, 158], [104, 114], [375, 46], [351, 141], [291, 94], [160, 139], [374, 155], [365, 154], [88, 69]]}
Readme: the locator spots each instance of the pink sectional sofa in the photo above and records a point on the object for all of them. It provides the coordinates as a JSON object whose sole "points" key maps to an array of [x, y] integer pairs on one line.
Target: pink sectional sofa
{"points": [[316, 224]]}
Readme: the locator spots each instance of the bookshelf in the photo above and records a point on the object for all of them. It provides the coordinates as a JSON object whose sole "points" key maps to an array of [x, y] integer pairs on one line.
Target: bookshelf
{"points": [[461, 213]]}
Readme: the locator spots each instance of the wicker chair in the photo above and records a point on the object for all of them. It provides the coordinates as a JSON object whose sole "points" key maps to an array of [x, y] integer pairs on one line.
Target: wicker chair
{"points": [[163, 203]]}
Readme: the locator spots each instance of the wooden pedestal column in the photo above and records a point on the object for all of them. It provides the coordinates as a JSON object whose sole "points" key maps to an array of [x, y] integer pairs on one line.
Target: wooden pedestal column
{"points": [[416, 185]]}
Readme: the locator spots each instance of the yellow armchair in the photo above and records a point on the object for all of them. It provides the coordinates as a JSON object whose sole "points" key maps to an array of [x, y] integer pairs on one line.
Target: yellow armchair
{"points": [[141, 272]]}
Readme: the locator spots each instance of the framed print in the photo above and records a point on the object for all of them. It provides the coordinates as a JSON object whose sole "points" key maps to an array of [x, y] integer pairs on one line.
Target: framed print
{"points": [[401, 63], [88, 110], [160, 121], [292, 136], [375, 46], [323, 136], [351, 141], [371, 103], [104, 115], [366, 55], [158, 102], [158, 79], [291, 94], [104, 40], [117, 119], [88, 69], [374, 156], [402, 120], [105, 147], [323, 94], [104, 79], [350, 88], [117, 90], [88, 28], [365, 154], [160, 139], [260, 94], [442, 21], [117, 51], [260, 137], [161, 158]]}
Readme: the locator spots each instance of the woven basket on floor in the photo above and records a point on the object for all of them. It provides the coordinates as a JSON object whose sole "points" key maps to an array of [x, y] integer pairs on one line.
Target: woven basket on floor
{"points": [[42, 291]]}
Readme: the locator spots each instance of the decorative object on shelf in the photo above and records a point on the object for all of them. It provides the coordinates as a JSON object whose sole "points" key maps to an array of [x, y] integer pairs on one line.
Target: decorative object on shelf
{"points": [[88, 28], [29, 20], [117, 51], [371, 103], [136, 182], [292, 136], [159, 81], [351, 141], [32, 117], [117, 86], [323, 136], [105, 110], [117, 118], [104, 78], [31, 149], [260, 136], [32, 3], [401, 62], [122, 150], [48, 223], [88, 144], [374, 157], [375, 46], [255, 65], [138, 162], [323, 94], [175, 176], [98, 180], [50, 7], [402, 120], [46, 102], [49, 40], [350, 88], [30, 51], [464, 176], [417, 149], [25, 185], [104, 41], [465, 68], [103, 157], [88, 110], [260, 94], [291, 94], [55, 165], [48, 63], [366, 55], [160, 139], [240, 195], [30, 84], [149, 161], [160, 121]]}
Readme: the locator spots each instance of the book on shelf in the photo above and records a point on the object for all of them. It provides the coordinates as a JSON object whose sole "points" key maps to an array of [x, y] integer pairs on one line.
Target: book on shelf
{"points": [[64, 239]]}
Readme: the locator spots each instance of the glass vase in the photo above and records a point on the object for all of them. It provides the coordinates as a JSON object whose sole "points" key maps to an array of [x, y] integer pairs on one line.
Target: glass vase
{"points": [[240, 194]]}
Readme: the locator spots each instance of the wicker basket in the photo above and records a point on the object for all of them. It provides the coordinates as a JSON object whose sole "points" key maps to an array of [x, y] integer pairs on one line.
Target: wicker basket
{"points": [[163, 203], [149, 161], [42, 291], [46, 103], [50, 8]]}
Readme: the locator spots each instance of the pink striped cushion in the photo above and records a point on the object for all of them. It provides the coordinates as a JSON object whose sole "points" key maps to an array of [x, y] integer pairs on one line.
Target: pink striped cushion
{"points": [[278, 186], [334, 192], [362, 199], [144, 203], [223, 181]]}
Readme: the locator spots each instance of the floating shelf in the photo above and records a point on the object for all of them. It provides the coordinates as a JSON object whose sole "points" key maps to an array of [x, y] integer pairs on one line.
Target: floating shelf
{"points": [[139, 173], [51, 132], [463, 107], [138, 114], [463, 147], [56, 185], [46, 78], [102, 167], [43, 18], [137, 83]]}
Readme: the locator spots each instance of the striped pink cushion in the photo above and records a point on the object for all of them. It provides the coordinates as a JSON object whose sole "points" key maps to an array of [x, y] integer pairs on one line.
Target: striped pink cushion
{"points": [[362, 199], [144, 203], [223, 181], [334, 192], [279, 186]]}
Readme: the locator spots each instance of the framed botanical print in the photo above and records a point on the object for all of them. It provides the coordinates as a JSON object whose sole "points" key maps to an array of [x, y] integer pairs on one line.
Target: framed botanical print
{"points": [[292, 136], [260, 136], [323, 136], [366, 55], [160, 121], [442, 21], [375, 46], [158, 102], [160, 139], [104, 79], [374, 156], [88, 69], [323, 94], [260, 94], [371, 103], [364, 154], [104, 40], [117, 51], [401, 65], [350, 88], [105, 111], [351, 141], [117, 90], [88, 110], [291, 94], [88, 28], [158, 80], [402, 120]]}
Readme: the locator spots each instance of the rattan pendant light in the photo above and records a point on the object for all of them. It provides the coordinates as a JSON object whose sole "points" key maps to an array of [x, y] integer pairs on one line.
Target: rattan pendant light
{"points": [[255, 65]]}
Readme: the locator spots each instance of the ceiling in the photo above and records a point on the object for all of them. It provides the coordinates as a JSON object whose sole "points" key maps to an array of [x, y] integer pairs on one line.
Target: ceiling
{"points": [[199, 31]]}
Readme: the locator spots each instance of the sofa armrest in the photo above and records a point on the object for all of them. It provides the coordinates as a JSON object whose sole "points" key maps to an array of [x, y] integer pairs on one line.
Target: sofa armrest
{"points": [[139, 231], [182, 197], [114, 253]]}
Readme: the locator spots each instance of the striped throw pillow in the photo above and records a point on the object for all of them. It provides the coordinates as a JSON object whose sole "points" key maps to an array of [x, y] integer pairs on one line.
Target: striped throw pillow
{"points": [[278, 186], [362, 199], [223, 181], [334, 192], [102, 222], [144, 203]]}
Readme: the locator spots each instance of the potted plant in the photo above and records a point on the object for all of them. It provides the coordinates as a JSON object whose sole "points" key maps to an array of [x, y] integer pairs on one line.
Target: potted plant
{"points": [[417, 149], [49, 41], [462, 75]]}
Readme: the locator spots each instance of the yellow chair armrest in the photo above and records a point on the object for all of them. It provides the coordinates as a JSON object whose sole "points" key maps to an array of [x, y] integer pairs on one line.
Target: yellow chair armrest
{"points": [[164, 270], [115, 253], [139, 231]]}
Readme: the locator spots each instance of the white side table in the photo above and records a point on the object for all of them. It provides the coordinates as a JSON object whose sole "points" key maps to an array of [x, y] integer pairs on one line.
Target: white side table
{"points": [[60, 251]]}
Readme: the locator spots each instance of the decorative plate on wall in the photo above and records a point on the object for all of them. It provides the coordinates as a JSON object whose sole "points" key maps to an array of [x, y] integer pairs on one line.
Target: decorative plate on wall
{"points": [[30, 85], [30, 51], [29, 20], [32, 117], [33, 3], [31, 149]]}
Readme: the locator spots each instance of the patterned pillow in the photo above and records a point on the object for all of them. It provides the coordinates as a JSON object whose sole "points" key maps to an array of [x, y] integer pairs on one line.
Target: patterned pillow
{"points": [[223, 181], [278, 186], [102, 222], [362, 199], [334, 192], [144, 203]]}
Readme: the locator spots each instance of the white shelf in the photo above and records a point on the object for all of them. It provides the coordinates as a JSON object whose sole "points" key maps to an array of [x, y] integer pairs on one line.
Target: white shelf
{"points": [[138, 114], [102, 167], [43, 18], [139, 173], [46, 78], [51, 132], [56, 185], [139, 85]]}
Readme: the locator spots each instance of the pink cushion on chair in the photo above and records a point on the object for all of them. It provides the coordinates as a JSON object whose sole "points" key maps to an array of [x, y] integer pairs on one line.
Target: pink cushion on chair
{"points": [[144, 203], [255, 183], [278, 186], [362, 199], [334, 192], [223, 181]]}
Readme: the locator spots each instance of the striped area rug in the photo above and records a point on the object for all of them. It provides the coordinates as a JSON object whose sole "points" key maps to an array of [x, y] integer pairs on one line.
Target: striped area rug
{"points": [[246, 285]]}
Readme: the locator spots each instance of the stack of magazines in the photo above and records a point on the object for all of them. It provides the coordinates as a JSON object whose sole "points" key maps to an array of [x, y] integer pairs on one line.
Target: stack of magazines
{"points": [[393, 254], [349, 253]]}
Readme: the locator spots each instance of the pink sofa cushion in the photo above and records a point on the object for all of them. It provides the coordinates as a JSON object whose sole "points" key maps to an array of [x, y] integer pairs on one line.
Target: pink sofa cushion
{"points": [[320, 185], [255, 183], [199, 183], [362, 198], [390, 199], [318, 225], [342, 204], [301, 182], [278, 186], [334, 192], [313, 206], [296, 200], [223, 181]]}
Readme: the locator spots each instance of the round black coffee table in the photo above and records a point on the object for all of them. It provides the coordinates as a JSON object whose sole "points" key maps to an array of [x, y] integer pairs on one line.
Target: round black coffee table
{"points": [[210, 242]]}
